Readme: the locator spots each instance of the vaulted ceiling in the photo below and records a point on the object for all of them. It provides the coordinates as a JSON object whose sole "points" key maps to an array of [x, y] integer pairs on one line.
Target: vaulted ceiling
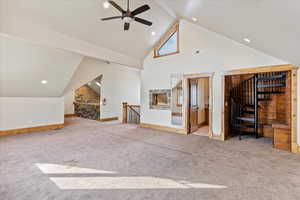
{"points": [[271, 25], [81, 19]]}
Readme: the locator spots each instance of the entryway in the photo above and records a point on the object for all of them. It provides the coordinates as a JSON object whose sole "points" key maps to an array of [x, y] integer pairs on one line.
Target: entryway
{"points": [[199, 104]]}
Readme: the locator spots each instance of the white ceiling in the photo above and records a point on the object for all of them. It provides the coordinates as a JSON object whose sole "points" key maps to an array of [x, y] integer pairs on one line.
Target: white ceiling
{"points": [[24, 65], [81, 19], [272, 25]]}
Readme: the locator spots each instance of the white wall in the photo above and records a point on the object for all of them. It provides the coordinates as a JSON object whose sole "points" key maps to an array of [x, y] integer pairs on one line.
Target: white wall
{"points": [[18, 113], [68, 99], [217, 54], [119, 84]]}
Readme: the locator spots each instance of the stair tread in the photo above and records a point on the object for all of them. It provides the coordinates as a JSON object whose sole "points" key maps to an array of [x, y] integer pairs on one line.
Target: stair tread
{"points": [[250, 106], [264, 99], [243, 126], [248, 112], [268, 92], [250, 119], [274, 77], [270, 85]]}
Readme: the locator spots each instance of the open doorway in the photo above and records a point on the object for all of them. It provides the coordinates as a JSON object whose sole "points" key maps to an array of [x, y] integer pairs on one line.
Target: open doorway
{"points": [[199, 106]]}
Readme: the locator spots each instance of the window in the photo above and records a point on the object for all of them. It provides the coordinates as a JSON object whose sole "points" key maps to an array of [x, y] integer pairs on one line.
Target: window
{"points": [[169, 45]]}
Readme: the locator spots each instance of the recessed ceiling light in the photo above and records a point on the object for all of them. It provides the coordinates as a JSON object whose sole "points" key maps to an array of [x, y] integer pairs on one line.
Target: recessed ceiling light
{"points": [[106, 4], [194, 19], [153, 33], [247, 40], [44, 82]]}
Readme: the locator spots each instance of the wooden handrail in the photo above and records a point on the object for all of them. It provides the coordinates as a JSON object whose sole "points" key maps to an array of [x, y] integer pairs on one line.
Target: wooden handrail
{"points": [[125, 113], [126, 109]]}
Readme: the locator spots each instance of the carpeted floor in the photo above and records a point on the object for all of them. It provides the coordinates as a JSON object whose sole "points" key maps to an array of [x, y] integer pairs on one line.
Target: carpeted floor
{"points": [[110, 161]]}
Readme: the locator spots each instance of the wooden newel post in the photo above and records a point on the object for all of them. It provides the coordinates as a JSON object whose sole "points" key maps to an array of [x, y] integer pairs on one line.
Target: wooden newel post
{"points": [[125, 106]]}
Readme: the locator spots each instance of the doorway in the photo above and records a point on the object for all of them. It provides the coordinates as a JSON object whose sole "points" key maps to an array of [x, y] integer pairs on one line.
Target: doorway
{"points": [[271, 113], [199, 106]]}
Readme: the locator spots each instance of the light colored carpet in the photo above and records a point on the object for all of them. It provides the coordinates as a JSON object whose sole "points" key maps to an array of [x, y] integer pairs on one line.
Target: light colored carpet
{"points": [[203, 131], [111, 161]]}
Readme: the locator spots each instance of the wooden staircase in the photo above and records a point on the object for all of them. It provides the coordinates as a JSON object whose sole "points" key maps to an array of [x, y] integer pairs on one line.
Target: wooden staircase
{"points": [[246, 97]]}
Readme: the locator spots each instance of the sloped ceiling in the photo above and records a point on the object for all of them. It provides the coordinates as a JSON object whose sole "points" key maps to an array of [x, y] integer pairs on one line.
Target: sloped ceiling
{"points": [[24, 65], [47, 39], [271, 25], [81, 19]]}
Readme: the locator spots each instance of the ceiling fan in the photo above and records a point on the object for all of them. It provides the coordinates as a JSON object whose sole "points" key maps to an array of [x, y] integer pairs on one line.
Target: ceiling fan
{"points": [[129, 16]]}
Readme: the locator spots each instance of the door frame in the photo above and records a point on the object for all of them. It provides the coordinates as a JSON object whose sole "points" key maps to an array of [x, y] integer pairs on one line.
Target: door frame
{"points": [[294, 89], [186, 79]]}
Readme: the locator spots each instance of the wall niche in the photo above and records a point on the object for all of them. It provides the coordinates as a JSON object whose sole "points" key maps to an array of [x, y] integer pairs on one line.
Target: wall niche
{"points": [[160, 99]]}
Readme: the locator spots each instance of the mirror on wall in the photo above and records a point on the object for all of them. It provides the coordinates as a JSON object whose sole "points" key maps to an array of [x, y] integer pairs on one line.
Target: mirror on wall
{"points": [[177, 99]]}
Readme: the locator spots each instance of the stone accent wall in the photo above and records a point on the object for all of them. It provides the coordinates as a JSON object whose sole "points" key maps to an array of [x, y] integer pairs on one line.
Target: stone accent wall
{"points": [[85, 94], [152, 104], [87, 110]]}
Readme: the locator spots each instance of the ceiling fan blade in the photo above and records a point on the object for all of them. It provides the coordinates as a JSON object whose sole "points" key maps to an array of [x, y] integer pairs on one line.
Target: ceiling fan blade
{"points": [[126, 26], [109, 18], [143, 21], [140, 10], [116, 6]]}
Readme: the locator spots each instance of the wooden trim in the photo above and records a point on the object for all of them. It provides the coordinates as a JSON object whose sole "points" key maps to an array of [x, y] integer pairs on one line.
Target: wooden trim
{"points": [[165, 38], [125, 112], [274, 68], [199, 75], [177, 114], [70, 115], [109, 119], [31, 129], [295, 148], [186, 99], [164, 128], [134, 106], [222, 135], [294, 110]]}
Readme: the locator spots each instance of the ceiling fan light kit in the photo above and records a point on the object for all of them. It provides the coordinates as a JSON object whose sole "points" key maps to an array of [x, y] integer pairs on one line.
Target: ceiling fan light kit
{"points": [[129, 16]]}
